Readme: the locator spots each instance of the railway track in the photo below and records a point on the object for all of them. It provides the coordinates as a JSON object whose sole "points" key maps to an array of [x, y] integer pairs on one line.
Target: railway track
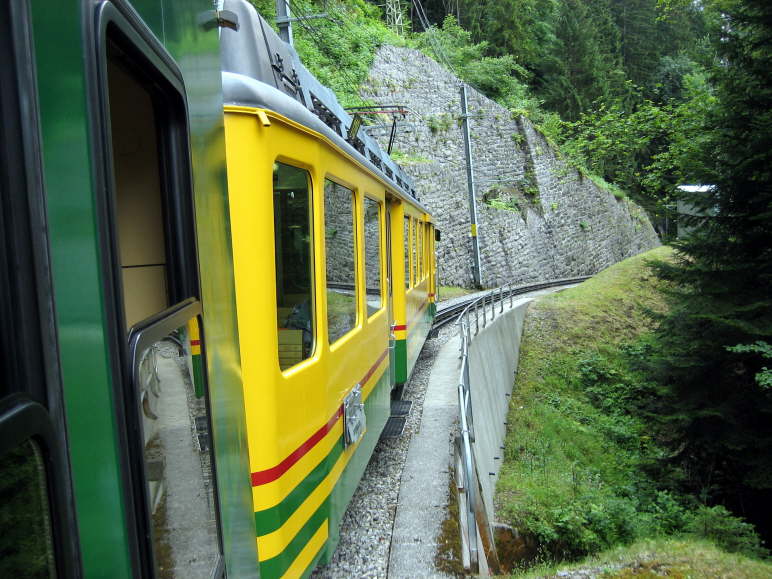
{"points": [[448, 314]]}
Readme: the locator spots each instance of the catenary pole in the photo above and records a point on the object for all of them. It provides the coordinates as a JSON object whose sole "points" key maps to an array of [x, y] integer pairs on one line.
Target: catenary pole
{"points": [[476, 266]]}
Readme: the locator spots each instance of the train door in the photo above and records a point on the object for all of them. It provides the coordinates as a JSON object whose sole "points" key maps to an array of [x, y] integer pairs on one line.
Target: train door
{"points": [[38, 534], [390, 293], [151, 280]]}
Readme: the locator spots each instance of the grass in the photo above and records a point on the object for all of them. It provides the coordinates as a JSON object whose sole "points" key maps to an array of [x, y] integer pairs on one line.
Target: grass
{"points": [[583, 467], [406, 159], [678, 558], [576, 448]]}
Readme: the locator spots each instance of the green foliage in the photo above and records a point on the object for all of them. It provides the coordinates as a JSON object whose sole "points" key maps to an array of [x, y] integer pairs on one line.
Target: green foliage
{"points": [[266, 8], [499, 78], [339, 50], [408, 159], [578, 445], [440, 123], [515, 195], [680, 558], [587, 464], [648, 151], [730, 533], [717, 399], [763, 377]]}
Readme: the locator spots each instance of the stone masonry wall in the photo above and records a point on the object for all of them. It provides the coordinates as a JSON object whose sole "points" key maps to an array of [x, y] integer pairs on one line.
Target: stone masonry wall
{"points": [[538, 218]]}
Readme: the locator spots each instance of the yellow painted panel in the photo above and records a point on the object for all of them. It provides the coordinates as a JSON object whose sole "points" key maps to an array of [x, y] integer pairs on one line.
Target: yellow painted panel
{"points": [[284, 409]]}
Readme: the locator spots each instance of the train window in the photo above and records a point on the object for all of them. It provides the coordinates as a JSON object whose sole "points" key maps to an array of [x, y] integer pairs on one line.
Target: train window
{"points": [[373, 255], [339, 243], [413, 245], [424, 246], [26, 543], [420, 249], [406, 245], [138, 193], [292, 218]]}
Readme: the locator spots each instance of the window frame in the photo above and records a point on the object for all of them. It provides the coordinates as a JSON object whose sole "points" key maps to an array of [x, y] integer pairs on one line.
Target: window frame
{"points": [[407, 253], [116, 22], [355, 239], [315, 321], [381, 243], [414, 250]]}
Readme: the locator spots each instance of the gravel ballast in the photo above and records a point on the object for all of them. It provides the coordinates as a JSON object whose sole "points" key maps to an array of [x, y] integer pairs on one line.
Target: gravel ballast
{"points": [[366, 529]]}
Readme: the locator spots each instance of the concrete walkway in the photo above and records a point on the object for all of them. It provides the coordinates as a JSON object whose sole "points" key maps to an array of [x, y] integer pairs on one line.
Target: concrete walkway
{"points": [[423, 494]]}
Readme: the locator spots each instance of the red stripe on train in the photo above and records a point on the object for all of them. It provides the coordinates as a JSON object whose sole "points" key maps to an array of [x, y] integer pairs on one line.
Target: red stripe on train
{"points": [[269, 475]]}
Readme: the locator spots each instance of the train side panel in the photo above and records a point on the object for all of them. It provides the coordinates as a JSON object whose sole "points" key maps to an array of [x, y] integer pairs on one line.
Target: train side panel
{"points": [[83, 338], [88, 338], [303, 472]]}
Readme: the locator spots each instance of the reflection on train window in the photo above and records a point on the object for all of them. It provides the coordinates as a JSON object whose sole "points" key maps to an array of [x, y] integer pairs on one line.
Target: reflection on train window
{"points": [[414, 231], [419, 248], [373, 255], [339, 247], [26, 544], [406, 245], [177, 454], [292, 220]]}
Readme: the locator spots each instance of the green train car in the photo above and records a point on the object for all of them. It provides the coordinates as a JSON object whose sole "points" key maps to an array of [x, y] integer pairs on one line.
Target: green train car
{"points": [[113, 190]]}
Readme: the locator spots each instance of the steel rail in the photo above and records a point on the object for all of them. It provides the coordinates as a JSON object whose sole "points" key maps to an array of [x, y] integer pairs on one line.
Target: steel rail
{"points": [[451, 312]]}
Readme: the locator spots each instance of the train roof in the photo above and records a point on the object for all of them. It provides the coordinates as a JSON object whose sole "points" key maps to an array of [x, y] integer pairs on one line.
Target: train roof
{"points": [[261, 70]]}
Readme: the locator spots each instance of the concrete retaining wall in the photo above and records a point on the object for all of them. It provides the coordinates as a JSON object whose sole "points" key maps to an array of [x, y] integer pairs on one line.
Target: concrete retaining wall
{"points": [[493, 357]]}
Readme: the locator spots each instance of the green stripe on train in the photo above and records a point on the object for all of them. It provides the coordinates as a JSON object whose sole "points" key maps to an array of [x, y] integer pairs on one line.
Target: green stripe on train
{"points": [[278, 565], [198, 375], [271, 519]]}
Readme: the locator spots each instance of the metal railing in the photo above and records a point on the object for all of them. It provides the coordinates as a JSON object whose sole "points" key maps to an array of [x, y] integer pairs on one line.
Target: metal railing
{"points": [[474, 521]]}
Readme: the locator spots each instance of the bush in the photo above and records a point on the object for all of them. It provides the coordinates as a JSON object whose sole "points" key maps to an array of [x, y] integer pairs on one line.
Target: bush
{"points": [[730, 533]]}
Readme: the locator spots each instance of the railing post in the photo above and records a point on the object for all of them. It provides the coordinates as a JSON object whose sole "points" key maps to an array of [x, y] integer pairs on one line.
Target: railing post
{"points": [[485, 313], [501, 299], [511, 291]]}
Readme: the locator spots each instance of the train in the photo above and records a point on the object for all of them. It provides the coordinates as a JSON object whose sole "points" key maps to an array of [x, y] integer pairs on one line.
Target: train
{"points": [[213, 284]]}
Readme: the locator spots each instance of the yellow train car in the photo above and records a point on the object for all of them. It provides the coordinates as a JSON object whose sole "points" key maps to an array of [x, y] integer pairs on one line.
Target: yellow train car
{"points": [[334, 272]]}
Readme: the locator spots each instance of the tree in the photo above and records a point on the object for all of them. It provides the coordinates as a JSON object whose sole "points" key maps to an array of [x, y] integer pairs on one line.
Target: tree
{"points": [[713, 347]]}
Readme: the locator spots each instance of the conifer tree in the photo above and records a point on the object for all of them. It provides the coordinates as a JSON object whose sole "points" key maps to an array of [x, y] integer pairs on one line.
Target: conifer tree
{"points": [[714, 345]]}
